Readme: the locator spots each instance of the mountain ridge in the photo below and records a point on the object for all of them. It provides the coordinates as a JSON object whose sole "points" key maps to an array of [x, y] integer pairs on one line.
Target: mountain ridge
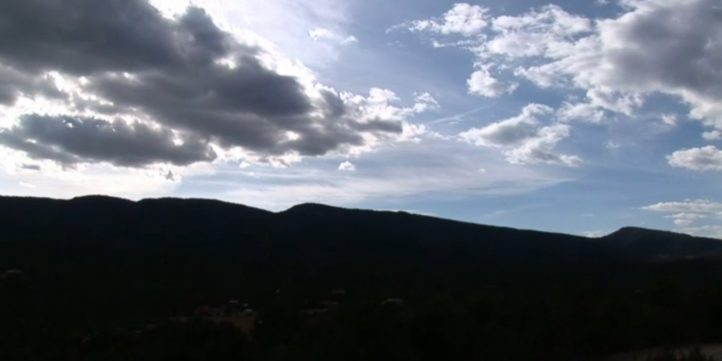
{"points": [[105, 268], [313, 229], [321, 207]]}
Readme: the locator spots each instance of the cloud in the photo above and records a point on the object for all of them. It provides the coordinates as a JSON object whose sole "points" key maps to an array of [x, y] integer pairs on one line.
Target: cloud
{"points": [[546, 31], [583, 112], [667, 47], [462, 18], [670, 47], [440, 167], [703, 206], [689, 213], [82, 140], [14, 84], [712, 135], [523, 138], [710, 230], [702, 159], [323, 34], [482, 83], [347, 166], [670, 119], [123, 60], [687, 219]]}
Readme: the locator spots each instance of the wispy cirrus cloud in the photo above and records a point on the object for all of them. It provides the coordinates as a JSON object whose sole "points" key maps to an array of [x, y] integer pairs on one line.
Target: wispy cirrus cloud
{"points": [[323, 34]]}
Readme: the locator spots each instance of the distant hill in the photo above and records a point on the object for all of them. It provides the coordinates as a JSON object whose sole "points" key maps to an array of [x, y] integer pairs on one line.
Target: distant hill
{"points": [[315, 230], [102, 278]]}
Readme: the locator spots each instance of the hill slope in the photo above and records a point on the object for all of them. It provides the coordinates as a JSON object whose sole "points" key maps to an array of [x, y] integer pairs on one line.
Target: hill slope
{"points": [[100, 278], [313, 229]]}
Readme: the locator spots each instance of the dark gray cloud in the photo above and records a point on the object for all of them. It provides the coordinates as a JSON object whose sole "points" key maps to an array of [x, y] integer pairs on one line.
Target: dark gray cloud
{"points": [[14, 83], [69, 140], [170, 71], [86, 36], [30, 166]]}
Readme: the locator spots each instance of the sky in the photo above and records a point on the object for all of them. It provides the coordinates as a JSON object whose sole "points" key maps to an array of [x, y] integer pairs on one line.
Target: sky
{"points": [[571, 116]]}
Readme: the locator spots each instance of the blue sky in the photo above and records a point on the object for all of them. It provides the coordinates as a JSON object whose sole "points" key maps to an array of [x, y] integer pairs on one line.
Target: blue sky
{"points": [[571, 116]]}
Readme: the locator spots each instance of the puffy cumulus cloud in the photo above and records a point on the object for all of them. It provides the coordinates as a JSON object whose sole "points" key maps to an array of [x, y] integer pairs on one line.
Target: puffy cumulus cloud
{"points": [[323, 34], [512, 131], [462, 18], [671, 47], [182, 82], [380, 110], [347, 166], [664, 47], [712, 135], [694, 216], [582, 112], [543, 32], [707, 158], [548, 31], [524, 139], [482, 83]]}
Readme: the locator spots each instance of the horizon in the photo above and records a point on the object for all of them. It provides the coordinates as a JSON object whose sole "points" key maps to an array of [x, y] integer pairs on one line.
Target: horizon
{"points": [[560, 116], [630, 226]]}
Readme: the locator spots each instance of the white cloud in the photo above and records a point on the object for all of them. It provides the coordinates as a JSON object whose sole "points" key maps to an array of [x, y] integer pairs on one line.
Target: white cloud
{"points": [[712, 135], [323, 34], [687, 206], [688, 215], [687, 219], [595, 234], [523, 138], [583, 112], [707, 158], [641, 53], [540, 148], [543, 32], [482, 83], [671, 47], [347, 166], [425, 102], [382, 104], [670, 119], [462, 18], [511, 131]]}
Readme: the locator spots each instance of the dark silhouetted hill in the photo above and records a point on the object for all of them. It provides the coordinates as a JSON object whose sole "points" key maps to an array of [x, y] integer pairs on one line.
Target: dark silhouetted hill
{"points": [[315, 230], [102, 278]]}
